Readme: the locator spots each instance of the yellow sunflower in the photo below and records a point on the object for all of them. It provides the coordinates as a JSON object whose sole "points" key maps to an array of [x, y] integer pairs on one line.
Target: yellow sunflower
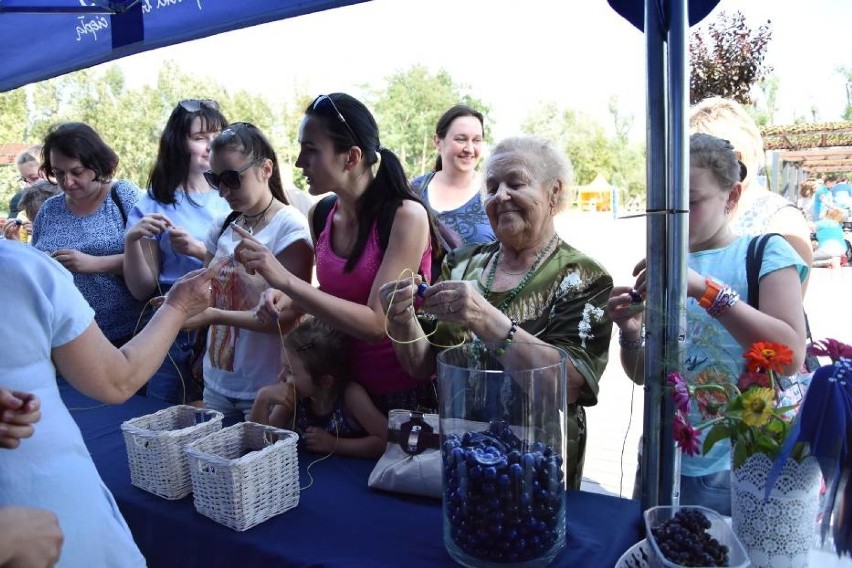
{"points": [[758, 404]]}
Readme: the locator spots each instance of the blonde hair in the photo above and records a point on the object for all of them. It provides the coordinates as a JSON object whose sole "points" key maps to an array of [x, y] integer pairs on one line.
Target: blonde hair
{"points": [[835, 214], [727, 119]]}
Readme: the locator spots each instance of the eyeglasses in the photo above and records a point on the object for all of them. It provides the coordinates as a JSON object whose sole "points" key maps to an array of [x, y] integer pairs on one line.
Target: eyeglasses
{"points": [[232, 179], [339, 116], [195, 105]]}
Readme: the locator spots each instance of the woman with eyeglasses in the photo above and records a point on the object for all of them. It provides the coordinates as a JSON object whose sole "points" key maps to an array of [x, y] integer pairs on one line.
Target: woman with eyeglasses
{"points": [[341, 153], [242, 353], [167, 227], [83, 228]]}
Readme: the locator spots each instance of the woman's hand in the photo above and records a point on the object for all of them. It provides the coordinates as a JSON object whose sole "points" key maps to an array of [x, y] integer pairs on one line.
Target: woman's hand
{"points": [[148, 226], [11, 230], [456, 301], [397, 299], [271, 305], [185, 244], [191, 294], [77, 261], [256, 258], [18, 412]]}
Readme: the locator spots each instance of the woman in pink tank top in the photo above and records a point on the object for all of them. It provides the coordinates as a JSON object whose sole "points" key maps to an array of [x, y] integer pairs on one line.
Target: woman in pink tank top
{"points": [[341, 153]]}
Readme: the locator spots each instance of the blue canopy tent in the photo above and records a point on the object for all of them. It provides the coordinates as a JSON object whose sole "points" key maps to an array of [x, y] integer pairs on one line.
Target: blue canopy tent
{"points": [[75, 34], [40, 39]]}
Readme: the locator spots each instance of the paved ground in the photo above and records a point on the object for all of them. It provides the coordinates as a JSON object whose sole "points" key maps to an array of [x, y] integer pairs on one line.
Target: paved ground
{"points": [[615, 424]]}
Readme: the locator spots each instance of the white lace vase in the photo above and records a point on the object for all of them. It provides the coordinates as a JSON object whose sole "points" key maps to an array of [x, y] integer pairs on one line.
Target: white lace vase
{"points": [[777, 532]]}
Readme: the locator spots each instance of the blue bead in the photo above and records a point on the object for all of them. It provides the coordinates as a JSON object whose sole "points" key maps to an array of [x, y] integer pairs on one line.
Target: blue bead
{"points": [[421, 289], [503, 480]]}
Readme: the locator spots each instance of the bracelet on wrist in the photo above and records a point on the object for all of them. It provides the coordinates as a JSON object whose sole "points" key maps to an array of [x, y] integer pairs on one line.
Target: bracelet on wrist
{"points": [[726, 298], [711, 292], [500, 351], [630, 344]]}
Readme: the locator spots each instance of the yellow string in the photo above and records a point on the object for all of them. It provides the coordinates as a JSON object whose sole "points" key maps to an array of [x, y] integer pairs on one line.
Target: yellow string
{"points": [[408, 273]]}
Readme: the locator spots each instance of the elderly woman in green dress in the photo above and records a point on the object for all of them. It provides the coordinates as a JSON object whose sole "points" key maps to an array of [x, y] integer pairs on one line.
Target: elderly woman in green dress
{"points": [[528, 286]]}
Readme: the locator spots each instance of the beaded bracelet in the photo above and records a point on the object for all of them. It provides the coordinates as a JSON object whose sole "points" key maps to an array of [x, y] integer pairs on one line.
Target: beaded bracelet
{"points": [[500, 351], [630, 344], [726, 298]]}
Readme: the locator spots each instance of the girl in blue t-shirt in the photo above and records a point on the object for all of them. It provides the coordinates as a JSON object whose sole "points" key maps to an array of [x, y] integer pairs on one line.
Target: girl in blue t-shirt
{"points": [[167, 227], [719, 326]]}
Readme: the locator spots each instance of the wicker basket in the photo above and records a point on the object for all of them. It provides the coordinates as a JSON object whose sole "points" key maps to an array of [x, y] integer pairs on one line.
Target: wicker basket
{"points": [[244, 474], [155, 444]]}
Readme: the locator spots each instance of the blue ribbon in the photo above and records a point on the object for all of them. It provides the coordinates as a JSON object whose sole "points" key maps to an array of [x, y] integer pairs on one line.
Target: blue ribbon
{"points": [[825, 424]]}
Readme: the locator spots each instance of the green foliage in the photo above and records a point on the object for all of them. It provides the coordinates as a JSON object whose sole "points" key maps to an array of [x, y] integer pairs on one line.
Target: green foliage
{"points": [[846, 72], [727, 58], [591, 151], [408, 108]]}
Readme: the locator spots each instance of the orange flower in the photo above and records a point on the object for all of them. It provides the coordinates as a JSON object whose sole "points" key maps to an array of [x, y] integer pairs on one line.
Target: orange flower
{"points": [[765, 356]]}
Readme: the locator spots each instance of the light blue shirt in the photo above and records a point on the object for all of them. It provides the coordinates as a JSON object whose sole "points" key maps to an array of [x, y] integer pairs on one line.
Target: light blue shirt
{"points": [[53, 469], [709, 346], [194, 218]]}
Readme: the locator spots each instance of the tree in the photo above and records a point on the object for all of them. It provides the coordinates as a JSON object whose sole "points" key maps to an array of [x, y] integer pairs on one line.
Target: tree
{"points": [[727, 59], [847, 73], [408, 108], [766, 107], [591, 152]]}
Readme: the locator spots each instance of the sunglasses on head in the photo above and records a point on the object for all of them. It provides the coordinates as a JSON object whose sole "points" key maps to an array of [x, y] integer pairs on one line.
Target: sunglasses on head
{"points": [[232, 179], [195, 105], [339, 114]]}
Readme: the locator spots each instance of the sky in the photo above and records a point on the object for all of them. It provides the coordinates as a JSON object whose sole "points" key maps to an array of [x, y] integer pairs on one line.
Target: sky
{"points": [[511, 54]]}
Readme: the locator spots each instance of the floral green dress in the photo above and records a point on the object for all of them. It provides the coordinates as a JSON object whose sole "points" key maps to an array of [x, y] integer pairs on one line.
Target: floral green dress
{"points": [[564, 305]]}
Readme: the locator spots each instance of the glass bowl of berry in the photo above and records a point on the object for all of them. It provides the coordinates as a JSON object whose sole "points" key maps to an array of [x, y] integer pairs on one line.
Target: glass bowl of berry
{"points": [[692, 536]]}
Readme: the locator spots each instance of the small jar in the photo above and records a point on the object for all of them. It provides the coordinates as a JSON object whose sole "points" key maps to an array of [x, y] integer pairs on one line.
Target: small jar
{"points": [[502, 416]]}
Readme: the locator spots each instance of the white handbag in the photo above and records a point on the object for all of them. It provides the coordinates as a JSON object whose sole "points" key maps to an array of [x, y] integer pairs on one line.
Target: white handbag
{"points": [[412, 460]]}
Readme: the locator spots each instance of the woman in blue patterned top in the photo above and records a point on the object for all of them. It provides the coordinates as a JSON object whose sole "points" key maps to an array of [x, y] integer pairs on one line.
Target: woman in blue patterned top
{"points": [[167, 227], [83, 228], [453, 189]]}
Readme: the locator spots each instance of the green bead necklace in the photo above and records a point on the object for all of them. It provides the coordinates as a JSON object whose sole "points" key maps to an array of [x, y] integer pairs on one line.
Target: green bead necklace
{"points": [[527, 277]]}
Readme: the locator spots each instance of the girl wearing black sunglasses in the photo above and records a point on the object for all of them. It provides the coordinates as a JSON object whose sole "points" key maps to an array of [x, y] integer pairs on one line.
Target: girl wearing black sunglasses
{"points": [[167, 227], [243, 354], [341, 153]]}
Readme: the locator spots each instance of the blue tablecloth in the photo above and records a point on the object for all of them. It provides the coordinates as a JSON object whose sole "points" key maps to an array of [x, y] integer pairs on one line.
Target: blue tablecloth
{"points": [[339, 521]]}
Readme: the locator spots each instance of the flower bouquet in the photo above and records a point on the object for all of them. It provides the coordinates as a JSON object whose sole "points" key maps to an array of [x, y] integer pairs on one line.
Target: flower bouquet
{"points": [[752, 412]]}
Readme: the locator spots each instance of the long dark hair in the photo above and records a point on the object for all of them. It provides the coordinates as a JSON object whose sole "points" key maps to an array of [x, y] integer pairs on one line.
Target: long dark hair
{"points": [[247, 139], [446, 121], [355, 126], [171, 169], [80, 142]]}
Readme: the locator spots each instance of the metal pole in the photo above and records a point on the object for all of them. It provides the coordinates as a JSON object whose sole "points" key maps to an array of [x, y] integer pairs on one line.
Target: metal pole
{"points": [[678, 235], [656, 250]]}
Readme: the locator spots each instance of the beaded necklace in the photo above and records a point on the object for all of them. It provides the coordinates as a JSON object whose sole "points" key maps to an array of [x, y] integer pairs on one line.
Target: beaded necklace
{"points": [[527, 277]]}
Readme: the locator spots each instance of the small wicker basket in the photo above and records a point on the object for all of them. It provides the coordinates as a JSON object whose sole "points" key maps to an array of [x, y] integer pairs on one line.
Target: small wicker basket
{"points": [[155, 444], [244, 474]]}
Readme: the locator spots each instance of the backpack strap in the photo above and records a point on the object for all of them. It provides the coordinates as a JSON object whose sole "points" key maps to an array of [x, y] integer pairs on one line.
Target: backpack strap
{"points": [[113, 193], [232, 216], [321, 211]]}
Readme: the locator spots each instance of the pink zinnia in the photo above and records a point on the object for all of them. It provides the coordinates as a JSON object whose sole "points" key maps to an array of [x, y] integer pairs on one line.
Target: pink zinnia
{"points": [[749, 379], [680, 392], [687, 437]]}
